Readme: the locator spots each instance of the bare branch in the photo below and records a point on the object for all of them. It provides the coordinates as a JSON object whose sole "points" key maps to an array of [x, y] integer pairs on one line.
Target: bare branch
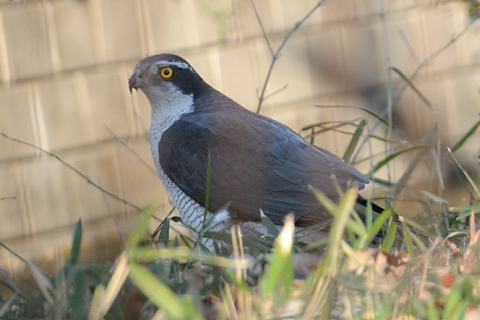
{"points": [[72, 168], [276, 91], [110, 211], [24, 260], [276, 55], [424, 63], [123, 143], [131, 150], [432, 56], [261, 26]]}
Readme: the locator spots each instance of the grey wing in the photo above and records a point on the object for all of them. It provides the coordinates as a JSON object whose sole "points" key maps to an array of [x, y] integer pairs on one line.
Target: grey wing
{"points": [[256, 163]]}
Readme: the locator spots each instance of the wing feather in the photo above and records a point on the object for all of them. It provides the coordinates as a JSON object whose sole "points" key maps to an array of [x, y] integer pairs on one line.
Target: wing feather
{"points": [[256, 163]]}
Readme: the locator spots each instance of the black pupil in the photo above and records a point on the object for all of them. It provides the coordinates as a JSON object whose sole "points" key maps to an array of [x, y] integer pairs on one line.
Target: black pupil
{"points": [[166, 72]]}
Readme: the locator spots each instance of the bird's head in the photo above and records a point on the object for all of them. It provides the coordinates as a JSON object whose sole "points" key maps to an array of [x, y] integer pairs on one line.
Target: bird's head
{"points": [[166, 77]]}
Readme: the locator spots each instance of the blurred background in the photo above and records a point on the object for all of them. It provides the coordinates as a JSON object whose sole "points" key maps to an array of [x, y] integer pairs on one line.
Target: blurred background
{"points": [[64, 66]]}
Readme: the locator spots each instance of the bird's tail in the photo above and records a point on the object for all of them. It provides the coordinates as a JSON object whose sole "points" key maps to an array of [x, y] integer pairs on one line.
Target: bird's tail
{"points": [[378, 210]]}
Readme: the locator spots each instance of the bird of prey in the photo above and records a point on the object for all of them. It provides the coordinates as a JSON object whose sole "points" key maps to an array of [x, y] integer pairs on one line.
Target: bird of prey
{"points": [[202, 139]]}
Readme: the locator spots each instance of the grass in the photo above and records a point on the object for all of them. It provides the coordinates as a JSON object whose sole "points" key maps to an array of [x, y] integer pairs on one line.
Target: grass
{"points": [[164, 276], [157, 278], [350, 281]]}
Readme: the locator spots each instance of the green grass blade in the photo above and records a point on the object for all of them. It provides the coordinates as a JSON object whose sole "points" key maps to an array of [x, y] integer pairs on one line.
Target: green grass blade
{"points": [[409, 170], [467, 136], [161, 295], [470, 180], [5, 307], [185, 241], [454, 302], [139, 230], [382, 182], [150, 254], [227, 238], [322, 297], [468, 209], [164, 235], [414, 224], [77, 300], [392, 156], [369, 112], [271, 227], [347, 156], [43, 282], [414, 238], [433, 312], [103, 298], [369, 216], [277, 281], [77, 240], [355, 225], [408, 236], [342, 215], [410, 83], [169, 216], [389, 238], [326, 202], [325, 126], [9, 284], [378, 223]]}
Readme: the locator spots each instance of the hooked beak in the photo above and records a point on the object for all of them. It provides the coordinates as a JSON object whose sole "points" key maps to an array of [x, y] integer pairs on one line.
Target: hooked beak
{"points": [[135, 82]]}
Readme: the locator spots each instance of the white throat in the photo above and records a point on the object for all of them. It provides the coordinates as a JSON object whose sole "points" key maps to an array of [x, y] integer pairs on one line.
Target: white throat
{"points": [[167, 107]]}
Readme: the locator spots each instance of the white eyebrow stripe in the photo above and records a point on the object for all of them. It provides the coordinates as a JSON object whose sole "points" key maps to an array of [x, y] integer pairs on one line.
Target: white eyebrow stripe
{"points": [[177, 64]]}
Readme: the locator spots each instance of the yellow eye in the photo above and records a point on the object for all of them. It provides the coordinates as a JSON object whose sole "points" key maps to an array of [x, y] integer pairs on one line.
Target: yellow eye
{"points": [[166, 72]]}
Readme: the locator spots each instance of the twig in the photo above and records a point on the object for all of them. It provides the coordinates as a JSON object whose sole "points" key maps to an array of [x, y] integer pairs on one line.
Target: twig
{"points": [[110, 211], [389, 107], [276, 91], [131, 150], [424, 63], [409, 46], [72, 168], [261, 26], [139, 119], [123, 143], [276, 55], [432, 56], [12, 284], [24, 260]]}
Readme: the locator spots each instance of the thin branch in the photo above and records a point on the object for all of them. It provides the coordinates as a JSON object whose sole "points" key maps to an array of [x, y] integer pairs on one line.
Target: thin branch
{"points": [[409, 46], [424, 63], [116, 138], [139, 119], [389, 108], [276, 55], [24, 260], [432, 56], [110, 211], [11, 283], [261, 26], [123, 143], [72, 168], [276, 91]]}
